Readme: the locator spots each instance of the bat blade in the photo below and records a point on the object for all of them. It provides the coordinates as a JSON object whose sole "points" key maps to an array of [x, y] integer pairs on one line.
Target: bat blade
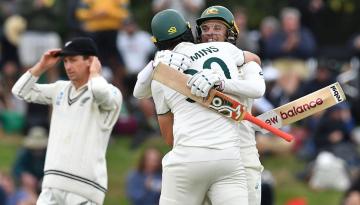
{"points": [[304, 106], [216, 101]]}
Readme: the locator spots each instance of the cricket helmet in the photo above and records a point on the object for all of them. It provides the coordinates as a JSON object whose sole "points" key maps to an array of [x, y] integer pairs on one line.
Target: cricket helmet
{"points": [[219, 13], [170, 28]]}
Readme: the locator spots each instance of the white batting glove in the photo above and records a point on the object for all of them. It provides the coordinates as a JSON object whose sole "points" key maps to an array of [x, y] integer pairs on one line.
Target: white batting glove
{"points": [[203, 81], [173, 59]]}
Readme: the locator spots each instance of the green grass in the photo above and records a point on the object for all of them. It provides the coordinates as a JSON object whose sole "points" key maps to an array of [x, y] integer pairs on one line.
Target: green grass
{"points": [[121, 159]]}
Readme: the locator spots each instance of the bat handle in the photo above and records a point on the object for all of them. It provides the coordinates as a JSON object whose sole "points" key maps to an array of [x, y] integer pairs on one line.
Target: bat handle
{"points": [[270, 128]]}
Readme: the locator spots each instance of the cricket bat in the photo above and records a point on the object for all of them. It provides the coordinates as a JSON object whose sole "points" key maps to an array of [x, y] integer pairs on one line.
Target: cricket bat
{"points": [[305, 106], [216, 101]]}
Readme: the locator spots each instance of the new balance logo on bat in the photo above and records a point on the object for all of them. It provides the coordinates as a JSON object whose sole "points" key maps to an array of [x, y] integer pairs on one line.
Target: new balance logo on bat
{"points": [[273, 120], [336, 94], [294, 111], [300, 109]]}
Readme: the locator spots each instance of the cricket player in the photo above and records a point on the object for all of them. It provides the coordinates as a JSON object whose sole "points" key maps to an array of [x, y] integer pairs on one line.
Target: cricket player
{"points": [[203, 140], [84, 111], [217, 24], [210, 27]]}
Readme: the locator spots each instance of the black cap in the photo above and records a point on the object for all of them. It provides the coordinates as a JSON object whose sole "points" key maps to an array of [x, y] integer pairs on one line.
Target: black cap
{"points": [[79, 46]]}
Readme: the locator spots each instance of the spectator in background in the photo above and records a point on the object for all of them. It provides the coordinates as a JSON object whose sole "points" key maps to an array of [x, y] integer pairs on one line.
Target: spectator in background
{"points": [[30, 160], [2, 195], [188, 8], [44, 23], [291, 45], [355, 45], [333, 135], [268, 27], [334, 128], [292, 41], [12, 110], [245, 40], [2, 191], [7, 8], [101, 21], [24, 195], [14, 26], [137, 49], [324, 76], [144, 184]]}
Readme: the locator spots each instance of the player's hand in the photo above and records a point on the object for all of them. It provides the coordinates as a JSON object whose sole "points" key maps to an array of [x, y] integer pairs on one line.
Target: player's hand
{"points": [[173, 59], [49, 59], [95, 67], [203, 81]]}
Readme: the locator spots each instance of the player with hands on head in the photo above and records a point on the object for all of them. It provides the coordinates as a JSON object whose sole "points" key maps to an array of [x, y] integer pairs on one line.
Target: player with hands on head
{"points": [[84, 111]]}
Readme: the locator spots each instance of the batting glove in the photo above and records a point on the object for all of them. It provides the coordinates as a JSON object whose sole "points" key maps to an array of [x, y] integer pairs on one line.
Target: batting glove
{"points": [[173, 59], [203, 81]]}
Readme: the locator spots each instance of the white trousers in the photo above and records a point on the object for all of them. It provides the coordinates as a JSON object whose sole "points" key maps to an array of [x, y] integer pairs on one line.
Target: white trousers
{"points": [[253, 170], [51, 196], [223, 181]]}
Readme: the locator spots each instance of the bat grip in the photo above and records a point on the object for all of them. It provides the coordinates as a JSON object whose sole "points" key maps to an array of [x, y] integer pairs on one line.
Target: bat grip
{"points": [[270, 128]]}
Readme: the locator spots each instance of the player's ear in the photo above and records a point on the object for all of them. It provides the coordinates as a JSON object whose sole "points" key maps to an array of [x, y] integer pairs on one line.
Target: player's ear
{"points": [[88, 60]]}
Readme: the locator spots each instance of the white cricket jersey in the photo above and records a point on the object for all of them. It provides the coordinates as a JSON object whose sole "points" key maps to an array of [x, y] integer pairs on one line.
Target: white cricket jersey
{"points": [[246, 80], [81, 125], [195, 125]]}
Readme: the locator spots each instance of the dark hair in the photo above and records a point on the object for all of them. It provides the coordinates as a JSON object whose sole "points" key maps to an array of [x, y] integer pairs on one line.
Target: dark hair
{"points": [[141, 164]]}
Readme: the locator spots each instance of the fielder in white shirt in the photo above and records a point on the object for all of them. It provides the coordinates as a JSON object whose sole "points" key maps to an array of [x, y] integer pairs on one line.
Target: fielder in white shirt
{"points": [[84, 111]]}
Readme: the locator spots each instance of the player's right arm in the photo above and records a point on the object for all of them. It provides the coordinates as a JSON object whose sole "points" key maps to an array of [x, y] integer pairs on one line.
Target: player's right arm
{"points": [[26, 87], [142, 87], [251, 84], [175, 60], [166, 122]]}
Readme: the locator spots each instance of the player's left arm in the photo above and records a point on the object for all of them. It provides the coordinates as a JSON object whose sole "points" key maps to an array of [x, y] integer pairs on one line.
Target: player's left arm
{"points": [[248, 56], [252, 85], [107, 96], [142, 87]]}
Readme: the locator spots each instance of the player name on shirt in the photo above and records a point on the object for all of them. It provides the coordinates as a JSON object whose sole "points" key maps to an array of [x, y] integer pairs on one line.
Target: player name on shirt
{"points": [[203, 52]]}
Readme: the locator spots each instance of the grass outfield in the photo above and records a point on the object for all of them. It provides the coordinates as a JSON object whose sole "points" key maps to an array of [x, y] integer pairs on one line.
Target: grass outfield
{"points": [[121, 159]]}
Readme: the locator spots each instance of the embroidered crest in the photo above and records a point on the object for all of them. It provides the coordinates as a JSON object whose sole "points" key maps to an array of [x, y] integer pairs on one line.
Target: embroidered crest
{"points": [[59, 98], [172, 30], [83, 101], [212, 11]]}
